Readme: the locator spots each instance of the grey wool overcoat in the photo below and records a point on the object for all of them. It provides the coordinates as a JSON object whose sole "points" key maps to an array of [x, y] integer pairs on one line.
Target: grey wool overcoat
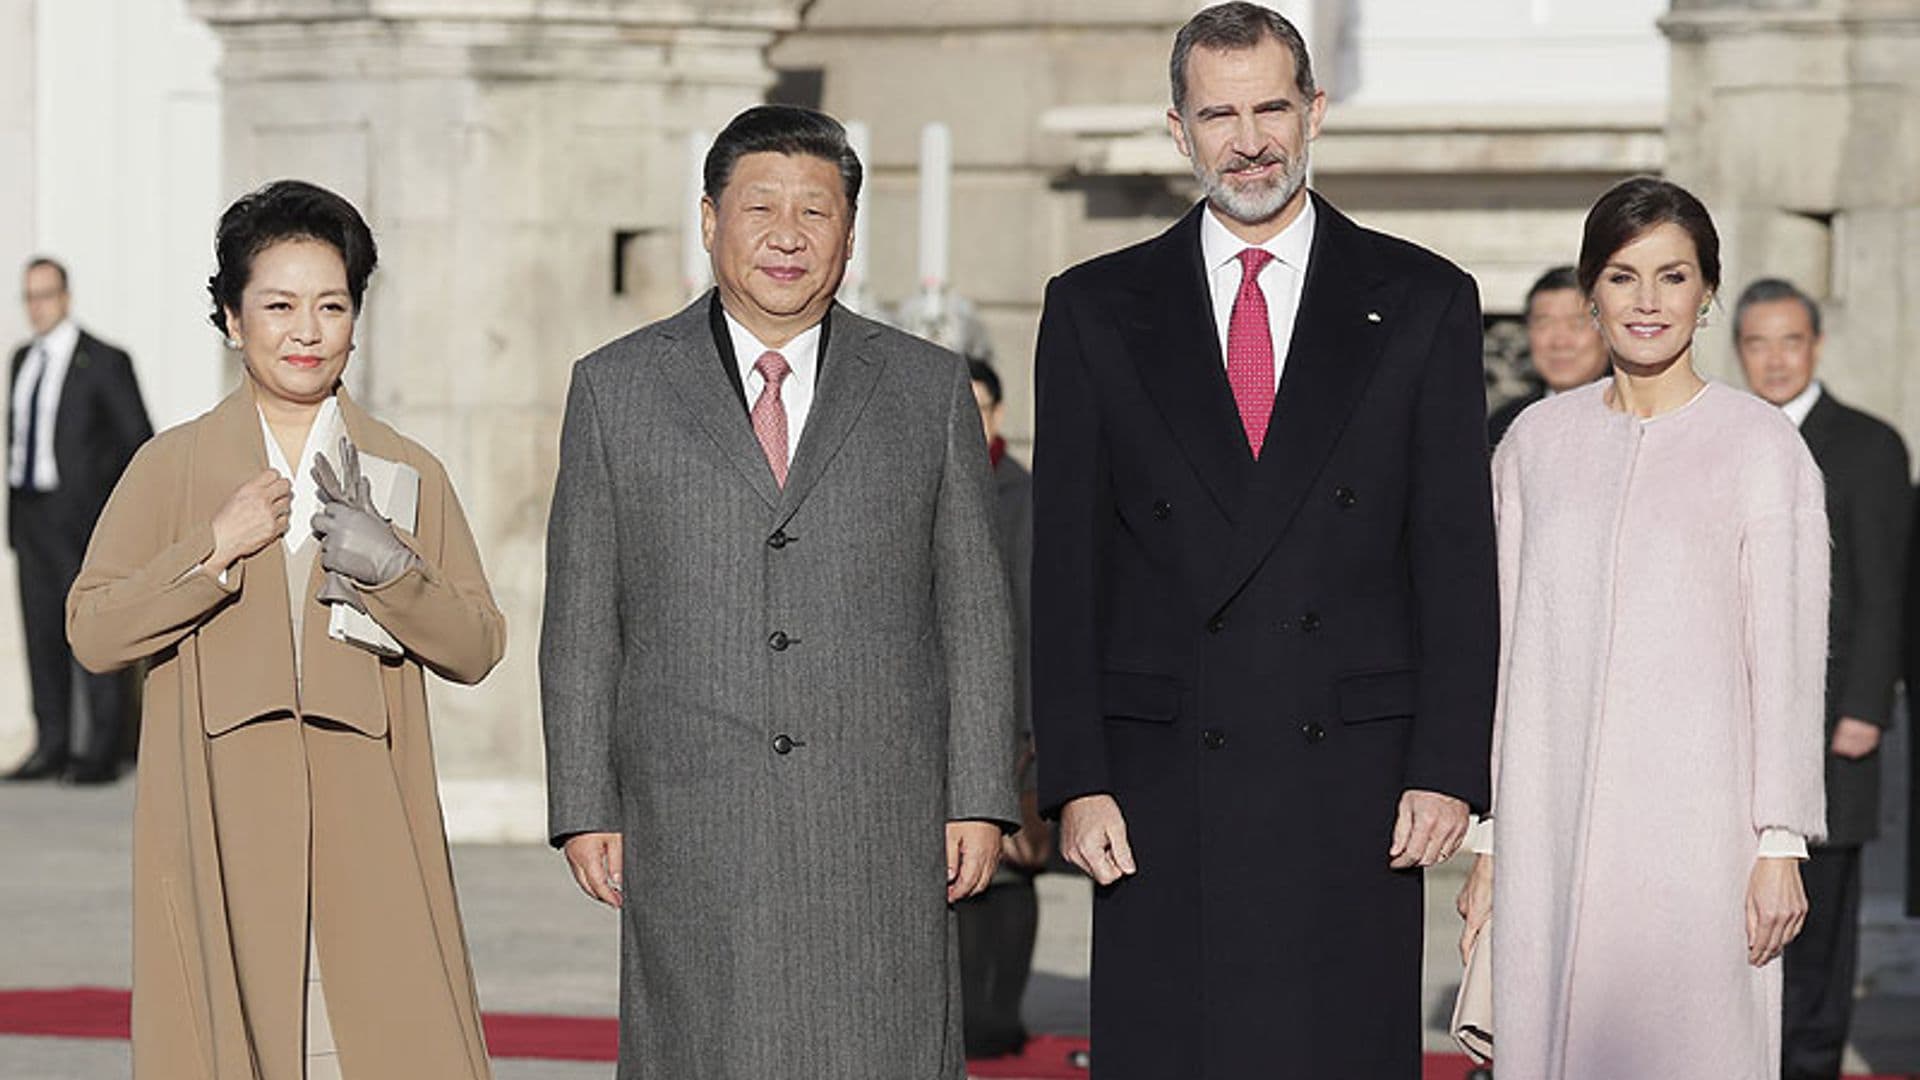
{"points": [[779, 697]]}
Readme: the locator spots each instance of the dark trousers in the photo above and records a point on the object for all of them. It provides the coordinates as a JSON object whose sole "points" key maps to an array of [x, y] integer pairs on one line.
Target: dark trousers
{"points": [[997, 930], [1820, 967], [47, 553]]}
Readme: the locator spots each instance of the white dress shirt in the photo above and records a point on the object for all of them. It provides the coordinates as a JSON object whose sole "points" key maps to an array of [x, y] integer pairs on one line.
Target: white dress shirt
{"points": [[1803, 403], [324, 435], [796, 392], [1280, 279], [52, 354]]}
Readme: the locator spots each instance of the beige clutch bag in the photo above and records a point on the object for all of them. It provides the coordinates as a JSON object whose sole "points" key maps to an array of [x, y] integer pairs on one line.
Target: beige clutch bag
{"points": [[1472, 1024]]}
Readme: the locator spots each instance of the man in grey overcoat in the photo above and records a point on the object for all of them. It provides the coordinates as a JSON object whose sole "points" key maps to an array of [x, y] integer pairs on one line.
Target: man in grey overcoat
{"points": [[776, 669]]}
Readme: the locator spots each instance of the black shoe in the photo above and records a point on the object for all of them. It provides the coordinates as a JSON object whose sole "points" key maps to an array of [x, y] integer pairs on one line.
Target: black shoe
{"points": [[93, 772], [39, 766]]}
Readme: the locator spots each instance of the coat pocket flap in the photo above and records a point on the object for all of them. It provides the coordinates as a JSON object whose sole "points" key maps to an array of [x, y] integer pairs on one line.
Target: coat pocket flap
{"points": [[1133, 696], [1377, 695]]}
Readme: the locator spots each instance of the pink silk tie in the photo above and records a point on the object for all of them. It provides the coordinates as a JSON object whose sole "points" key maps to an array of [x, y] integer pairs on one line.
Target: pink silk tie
{"points": [[1250, 350], [770, 416]]}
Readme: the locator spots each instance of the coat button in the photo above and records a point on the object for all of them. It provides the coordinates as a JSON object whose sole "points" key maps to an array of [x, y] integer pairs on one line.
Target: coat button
{"points": [[778, 641], [1309, 622], [1312, 731], [783, 744], [779, 539], [1213, 740], [1344, 497], [1216, 624], [1162, 510]]}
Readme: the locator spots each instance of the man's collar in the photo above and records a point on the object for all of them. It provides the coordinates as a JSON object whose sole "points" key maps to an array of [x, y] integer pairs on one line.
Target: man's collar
{"points": [[801, 352], [1290, 245], [1803, 403], [62, 338]]}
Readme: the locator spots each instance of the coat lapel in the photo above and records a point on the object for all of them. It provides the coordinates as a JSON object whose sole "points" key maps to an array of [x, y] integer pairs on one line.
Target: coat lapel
{"points": [[693, 369], [848, 376], [1347, 307], [1817, 428], [1180, 365]]}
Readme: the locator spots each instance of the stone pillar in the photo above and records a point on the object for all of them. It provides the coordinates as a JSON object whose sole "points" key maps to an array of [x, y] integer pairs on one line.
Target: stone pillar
{"points": [[1798, 123], [523, 164]]}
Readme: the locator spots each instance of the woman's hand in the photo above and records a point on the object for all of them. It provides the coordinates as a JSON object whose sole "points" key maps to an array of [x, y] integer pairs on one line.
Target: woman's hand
{"points": [[254, 516], [1776, 908], [1475, 903]]}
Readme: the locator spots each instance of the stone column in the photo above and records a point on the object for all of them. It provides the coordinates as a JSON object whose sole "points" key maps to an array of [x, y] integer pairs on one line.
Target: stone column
{"points": [[1798, 123], [523, 164]]}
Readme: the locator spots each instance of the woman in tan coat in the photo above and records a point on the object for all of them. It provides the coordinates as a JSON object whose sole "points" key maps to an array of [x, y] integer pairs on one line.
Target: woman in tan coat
{"points": [[287, 822]]}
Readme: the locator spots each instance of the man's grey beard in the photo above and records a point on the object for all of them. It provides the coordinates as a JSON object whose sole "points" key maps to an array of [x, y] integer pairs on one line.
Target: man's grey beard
{"points": [[1255, 205]]}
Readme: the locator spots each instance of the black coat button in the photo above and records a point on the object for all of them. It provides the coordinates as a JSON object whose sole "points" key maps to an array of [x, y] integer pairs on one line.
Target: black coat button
{"points": [[783, 744], [1162, 510], [1213, 740], [1344, 497], [1216, 624], [1309, 622], [779, 539], [1312, 731], [778, 641]]}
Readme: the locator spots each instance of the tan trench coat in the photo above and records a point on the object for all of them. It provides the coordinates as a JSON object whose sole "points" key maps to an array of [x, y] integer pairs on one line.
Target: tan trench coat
{"points": [[340, 813]]}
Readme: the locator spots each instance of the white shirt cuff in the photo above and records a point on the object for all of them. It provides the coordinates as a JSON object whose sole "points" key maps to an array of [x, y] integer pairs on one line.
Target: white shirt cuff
{"points": [[1782, 844], [1480, 835]]}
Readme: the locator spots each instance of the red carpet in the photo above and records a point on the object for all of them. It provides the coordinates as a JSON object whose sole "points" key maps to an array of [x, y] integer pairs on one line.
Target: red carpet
{"points": [[91, 1012]]}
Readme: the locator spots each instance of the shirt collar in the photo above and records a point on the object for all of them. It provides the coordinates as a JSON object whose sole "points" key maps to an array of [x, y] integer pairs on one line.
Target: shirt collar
{"points": [[802, 353], [1800, 406], [61, 340], [1218, 245]]}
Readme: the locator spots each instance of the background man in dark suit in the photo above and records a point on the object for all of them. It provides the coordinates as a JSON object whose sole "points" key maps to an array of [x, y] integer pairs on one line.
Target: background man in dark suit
{"points": [[76, 420], [1777, 332], [998, 927], [1265, 614], [776, 664], [1562, 341]]}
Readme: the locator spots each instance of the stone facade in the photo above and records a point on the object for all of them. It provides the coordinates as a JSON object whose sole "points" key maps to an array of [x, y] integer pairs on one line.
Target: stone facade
{"points": [[523, 165]]}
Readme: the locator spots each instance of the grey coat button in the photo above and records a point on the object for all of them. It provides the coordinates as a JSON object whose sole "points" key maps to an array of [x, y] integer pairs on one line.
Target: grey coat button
{"points": [[783, 744], [779, 539], [778, 641]]}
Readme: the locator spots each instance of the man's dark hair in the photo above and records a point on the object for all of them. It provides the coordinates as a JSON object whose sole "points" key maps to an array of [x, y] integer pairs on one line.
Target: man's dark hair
{"points": [[982, 372], [1554, 280], [782, 129], [1633, 207], [1766, 291], [286, 210], [1237, 25], [39, 261]]}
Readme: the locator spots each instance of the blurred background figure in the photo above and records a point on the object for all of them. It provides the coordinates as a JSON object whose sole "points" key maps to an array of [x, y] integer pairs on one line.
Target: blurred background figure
{"points": [[1562, 341], [998, 927], [1777, 334], [76, 420]]}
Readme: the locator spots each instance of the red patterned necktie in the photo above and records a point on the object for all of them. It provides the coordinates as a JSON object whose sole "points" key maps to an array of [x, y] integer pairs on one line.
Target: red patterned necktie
{"points": [[770, 416], [1250, 350]]}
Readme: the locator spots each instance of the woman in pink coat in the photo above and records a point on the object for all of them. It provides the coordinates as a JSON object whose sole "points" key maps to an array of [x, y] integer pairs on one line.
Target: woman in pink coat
{"points": [[1657, 746]]}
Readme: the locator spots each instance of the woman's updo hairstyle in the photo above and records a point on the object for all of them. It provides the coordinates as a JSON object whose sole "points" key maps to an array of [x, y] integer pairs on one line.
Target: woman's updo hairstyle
{"points": [[286, 210], [1632, 207]]}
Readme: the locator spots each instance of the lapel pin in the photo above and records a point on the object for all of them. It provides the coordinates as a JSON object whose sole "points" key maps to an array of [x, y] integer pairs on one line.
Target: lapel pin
{"points": [[1373, 316]]}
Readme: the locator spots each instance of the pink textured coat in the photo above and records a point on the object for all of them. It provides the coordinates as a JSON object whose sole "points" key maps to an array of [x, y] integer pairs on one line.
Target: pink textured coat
{"points": [[1664, 605]]}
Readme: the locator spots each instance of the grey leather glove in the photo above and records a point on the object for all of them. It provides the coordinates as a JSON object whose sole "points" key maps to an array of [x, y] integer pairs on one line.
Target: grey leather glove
{"points": [[356, 543]]}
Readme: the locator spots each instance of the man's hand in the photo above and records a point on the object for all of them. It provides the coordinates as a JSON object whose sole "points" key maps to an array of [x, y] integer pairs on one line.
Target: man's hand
{"points": [[1093, 837], [1475, 903], [973, 850], [594, 858], [1855, 739], [1776, 908], [1428, 830]]}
